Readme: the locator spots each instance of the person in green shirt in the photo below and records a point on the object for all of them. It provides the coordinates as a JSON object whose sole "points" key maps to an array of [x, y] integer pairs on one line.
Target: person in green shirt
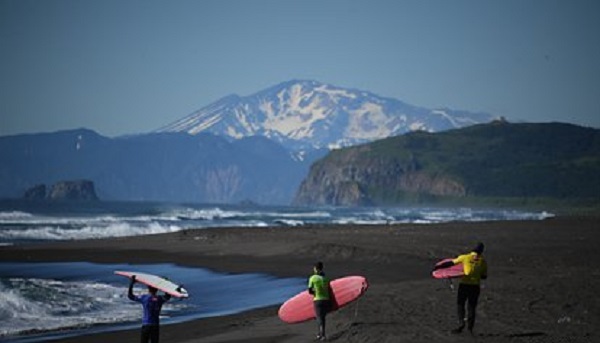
{"points": [[475, 268], [318, 286]]}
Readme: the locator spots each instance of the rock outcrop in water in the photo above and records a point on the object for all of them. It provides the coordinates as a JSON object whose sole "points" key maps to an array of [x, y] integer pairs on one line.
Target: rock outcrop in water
{"points": [[77, 190], [37, 192], [73, 190]]}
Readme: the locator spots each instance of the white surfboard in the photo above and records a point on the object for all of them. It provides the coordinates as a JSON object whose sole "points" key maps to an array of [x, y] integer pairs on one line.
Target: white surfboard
{"points": [[157, 282]]}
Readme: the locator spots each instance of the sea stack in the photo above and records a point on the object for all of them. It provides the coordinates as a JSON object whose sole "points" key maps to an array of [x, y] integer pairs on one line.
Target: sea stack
{"points": [[73, 190]]}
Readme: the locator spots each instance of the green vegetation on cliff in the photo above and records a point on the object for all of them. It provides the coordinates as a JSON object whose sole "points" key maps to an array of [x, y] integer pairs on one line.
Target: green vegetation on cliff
{"points": [[514, 162]]}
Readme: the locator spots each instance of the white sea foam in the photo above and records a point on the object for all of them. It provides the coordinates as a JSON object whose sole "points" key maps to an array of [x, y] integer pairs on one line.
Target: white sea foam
{"points": [[121, 221], [118, 229], [14, 215], [70, 220], [359, 220], [218, 213], [204, 214], [309, 215], [289, 222], [90, 297], [46, 305]]}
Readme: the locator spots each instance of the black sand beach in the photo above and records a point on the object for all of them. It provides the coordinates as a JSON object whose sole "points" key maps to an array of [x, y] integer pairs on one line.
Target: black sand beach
{"points": [[544, 278]]}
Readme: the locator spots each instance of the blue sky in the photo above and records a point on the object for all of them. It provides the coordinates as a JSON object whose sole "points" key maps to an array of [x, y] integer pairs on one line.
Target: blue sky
{"points": [[128, 66]]}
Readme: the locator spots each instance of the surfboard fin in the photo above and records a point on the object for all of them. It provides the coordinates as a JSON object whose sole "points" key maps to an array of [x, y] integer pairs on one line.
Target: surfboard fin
{"points": [[450, 284]]}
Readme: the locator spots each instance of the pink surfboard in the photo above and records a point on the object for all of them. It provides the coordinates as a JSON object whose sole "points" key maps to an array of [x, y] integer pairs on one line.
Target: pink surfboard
{"points": [[454, 271], [300, 308]]}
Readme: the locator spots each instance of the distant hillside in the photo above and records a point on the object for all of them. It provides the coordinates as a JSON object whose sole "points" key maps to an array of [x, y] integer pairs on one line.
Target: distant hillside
{"points": [[497, 160], [175, 167]]}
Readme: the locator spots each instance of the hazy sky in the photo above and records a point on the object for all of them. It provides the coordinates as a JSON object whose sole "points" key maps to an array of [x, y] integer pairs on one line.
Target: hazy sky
{"points": [[127, 66]]}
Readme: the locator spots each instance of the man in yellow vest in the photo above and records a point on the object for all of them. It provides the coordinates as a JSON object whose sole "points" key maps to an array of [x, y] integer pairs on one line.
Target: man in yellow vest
{"points": [[475, 269], [318, 286]]}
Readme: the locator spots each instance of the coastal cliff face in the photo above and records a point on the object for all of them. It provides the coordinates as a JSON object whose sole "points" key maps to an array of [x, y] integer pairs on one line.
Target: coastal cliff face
{"points": [[497, 160], [355, 177]]}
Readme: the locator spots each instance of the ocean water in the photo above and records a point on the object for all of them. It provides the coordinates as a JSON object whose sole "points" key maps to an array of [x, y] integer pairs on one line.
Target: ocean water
{"points": [[39, 301], [22, 221]]}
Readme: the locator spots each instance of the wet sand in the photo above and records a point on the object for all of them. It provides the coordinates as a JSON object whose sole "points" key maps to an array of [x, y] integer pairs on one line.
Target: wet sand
{"points": [[543, 285]]}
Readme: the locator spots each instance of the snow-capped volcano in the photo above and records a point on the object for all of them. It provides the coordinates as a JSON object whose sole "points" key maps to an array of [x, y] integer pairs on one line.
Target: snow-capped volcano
{"points": [[309, 114]]}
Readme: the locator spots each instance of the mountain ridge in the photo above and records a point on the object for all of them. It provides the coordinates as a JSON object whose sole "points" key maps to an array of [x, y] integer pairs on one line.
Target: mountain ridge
{"points": [[307, 114]]}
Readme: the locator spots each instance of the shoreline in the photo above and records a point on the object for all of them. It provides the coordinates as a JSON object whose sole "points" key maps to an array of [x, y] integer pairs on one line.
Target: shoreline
{"points": [[543, 278]]}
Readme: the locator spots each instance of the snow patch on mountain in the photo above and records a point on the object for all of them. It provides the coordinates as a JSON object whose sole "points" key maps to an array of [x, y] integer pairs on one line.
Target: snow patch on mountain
{"points": [[309, 114]]}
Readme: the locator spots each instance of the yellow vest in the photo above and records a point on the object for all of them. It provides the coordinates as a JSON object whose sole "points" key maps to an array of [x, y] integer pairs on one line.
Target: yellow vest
{"points": [[474, 266]]}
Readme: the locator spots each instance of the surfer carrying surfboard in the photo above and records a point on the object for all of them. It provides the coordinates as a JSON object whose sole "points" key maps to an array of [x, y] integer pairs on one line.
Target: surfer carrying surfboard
{"points": [[318, 286], [152, 304], [475, 269]]}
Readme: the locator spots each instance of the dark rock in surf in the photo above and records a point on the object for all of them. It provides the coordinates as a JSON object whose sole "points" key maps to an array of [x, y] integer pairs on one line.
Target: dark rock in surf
{"points": [[73, 190], [37, 192]]}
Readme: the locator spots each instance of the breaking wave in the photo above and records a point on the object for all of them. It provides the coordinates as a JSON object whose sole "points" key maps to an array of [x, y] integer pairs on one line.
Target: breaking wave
{"points": [[119, 220]]}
